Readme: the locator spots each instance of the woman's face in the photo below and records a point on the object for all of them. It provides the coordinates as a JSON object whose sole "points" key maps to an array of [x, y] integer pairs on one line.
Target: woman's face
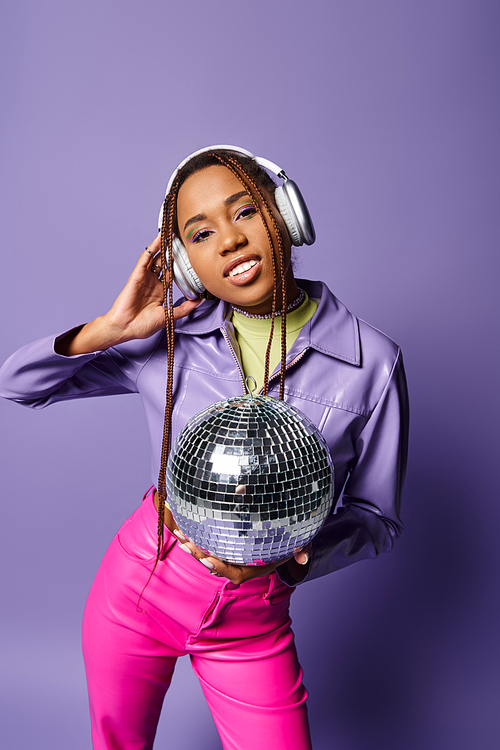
{"points": [[226, 240]]}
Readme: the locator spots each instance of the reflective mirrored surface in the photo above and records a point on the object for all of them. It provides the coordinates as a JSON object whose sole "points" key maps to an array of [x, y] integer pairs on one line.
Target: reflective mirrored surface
{"points": [[250, 480]]}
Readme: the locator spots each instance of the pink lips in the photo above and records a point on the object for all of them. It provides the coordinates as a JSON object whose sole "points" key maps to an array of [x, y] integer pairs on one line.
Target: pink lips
{"points": [[238, 261], [245, 276]]}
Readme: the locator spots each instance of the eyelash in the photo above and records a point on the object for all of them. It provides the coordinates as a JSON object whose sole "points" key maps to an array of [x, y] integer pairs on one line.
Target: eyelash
{"points": [[249, 207], [198, 237]]}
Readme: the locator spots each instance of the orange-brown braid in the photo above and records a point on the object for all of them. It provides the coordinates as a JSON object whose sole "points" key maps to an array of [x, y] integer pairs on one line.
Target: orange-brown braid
{"points": [[258, 197], [169, 208], [169, 218]]}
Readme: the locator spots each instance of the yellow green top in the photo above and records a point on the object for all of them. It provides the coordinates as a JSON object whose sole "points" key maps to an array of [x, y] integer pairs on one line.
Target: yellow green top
{"points": [[252, 335]]}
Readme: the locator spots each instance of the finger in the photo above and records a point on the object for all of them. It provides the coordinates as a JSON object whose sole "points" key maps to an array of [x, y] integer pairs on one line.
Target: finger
{"points": [[239, 573], [210, 564], [221, 569], [303, 555], [147, 257], [198, 555], [156, 269], [235, 573], [155, 246], [186, 546], [180, 311]]}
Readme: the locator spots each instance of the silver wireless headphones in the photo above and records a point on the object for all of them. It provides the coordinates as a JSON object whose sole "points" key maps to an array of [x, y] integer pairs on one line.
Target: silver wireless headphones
{"points": [[288, 199]]}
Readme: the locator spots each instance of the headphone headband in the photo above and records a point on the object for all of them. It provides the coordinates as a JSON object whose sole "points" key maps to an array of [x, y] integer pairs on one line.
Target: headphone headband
{"points": [[271, 166]]}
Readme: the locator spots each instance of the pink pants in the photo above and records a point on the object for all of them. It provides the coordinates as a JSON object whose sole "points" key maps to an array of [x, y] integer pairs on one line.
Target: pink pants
{"points": [[238, 637]]}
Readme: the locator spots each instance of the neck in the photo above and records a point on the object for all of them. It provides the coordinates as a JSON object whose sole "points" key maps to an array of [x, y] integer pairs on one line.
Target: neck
{"points": [[265, 308], [293, 305]]}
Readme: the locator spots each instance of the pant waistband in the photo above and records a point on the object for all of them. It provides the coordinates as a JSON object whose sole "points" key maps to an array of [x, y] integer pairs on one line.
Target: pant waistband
{"points": [[262, 586]]}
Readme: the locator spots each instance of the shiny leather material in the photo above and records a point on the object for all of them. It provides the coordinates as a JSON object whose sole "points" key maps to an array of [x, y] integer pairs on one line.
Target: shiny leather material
{"points": [[346, 376], [239, 639]]}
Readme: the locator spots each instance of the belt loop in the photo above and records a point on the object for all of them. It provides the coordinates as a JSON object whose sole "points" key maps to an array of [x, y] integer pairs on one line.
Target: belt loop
{"points": [[148, 492], [168, 542], [270, 588]]}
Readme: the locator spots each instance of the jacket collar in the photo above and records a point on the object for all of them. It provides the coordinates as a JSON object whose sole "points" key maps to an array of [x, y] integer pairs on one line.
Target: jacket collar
{"points": [[332, 330]]}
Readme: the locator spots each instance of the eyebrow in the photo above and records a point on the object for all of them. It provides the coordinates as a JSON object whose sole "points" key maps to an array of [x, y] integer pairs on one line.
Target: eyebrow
{"points": [[235, 197], [227, 202], [194, 219]]}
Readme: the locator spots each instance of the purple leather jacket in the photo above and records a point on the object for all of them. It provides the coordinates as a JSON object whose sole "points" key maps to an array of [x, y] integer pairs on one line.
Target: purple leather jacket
{"points": [[346, 376]]}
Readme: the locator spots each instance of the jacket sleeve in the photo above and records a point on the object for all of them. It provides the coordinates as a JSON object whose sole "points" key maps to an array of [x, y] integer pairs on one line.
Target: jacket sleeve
{"points": [[37, 376], [368, 521]]}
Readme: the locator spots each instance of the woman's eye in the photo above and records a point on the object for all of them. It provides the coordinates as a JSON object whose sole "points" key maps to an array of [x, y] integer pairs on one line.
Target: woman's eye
{"points": [[247, 212], [201, 236]]}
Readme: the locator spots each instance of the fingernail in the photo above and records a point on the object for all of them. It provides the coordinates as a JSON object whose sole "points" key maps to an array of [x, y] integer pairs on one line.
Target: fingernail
{"points": [[180, 535], [185, 548], [207, 563], [306, 558]]}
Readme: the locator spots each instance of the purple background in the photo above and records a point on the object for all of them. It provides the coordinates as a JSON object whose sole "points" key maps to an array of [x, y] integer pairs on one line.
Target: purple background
{"points": [[386, 113]]}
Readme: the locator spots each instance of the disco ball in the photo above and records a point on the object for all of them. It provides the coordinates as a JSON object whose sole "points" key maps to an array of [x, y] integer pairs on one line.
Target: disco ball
{"points": [[250, 480]]}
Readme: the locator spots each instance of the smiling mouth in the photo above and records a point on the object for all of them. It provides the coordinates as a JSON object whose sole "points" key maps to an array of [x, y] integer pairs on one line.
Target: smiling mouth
{"points": [[242, 267]]}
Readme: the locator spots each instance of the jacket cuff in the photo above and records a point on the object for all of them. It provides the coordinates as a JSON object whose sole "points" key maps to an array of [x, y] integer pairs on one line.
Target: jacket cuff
{"points": [[61, 336], [285, 575]]}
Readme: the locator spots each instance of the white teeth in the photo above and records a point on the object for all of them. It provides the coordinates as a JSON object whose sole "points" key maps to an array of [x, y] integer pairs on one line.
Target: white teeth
{"points": [[246, 266]]}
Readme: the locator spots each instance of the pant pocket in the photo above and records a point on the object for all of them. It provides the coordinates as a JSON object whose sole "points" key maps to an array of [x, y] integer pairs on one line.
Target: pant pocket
{"points": [[136, 539]]}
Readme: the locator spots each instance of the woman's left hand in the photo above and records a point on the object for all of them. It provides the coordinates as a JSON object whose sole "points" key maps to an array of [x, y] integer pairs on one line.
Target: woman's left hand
{"points": [[241, 573]]}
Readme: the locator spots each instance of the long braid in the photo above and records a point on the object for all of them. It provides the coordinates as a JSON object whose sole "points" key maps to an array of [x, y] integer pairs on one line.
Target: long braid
{"points": [[284, 302], [168, 297], [258, 197], [281, 257], [167, 231], [169, 208]]}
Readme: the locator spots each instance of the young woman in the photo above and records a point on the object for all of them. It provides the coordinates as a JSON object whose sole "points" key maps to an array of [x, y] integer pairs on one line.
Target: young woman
{"points": [[156, 596]]}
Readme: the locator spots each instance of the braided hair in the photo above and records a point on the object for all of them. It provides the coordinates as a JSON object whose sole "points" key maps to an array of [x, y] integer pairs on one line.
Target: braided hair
{"points": [[258, 184]]}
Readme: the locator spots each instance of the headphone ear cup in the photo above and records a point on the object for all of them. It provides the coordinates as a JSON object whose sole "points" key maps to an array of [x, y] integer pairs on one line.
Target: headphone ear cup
{"points": [[295, 214], [288, 216], [184, 275]]}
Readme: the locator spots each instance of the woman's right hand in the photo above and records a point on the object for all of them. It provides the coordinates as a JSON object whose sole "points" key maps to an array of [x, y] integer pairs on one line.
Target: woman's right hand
{"points": [[137, 312]]}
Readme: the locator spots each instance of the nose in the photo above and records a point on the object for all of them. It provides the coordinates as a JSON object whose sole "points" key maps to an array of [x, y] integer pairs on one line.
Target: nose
{"points": [[232, 237]]}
